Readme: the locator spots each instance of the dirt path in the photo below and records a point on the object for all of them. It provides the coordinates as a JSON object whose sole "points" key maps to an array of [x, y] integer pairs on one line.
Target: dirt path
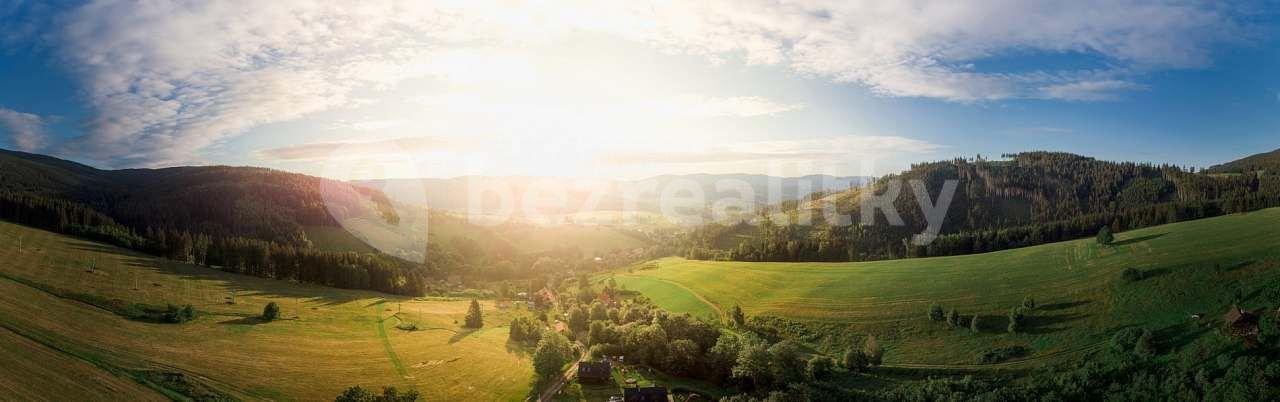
{"points": [[386, 344]]}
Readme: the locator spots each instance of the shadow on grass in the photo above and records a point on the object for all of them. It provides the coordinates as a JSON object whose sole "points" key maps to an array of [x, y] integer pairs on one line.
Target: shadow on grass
{"points": [[460, 335], [1047, 324], [245, 321], [1063, 305], [1139, 239]]}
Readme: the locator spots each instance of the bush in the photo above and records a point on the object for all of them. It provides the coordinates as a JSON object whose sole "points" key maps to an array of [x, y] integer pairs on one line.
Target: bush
{"points": [[1029, 303], [855, 360], [271, 312], [819, 367], [389, 394], [1132, 274], [936, 313], [1139, 341], [997, 355]]}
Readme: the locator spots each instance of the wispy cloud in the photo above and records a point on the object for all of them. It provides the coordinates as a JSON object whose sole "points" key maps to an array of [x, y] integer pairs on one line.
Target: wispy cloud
{"points": [[26, 131], [821, 150], [170, 78], [355, 149]]}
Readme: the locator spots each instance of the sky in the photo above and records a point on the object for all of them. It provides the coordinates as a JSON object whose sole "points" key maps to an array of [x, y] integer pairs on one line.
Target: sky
{"points": [[631, 89]]}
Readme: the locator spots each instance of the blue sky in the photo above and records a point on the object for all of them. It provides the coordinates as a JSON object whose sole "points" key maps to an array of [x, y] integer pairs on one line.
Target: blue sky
{"points": [[628, 89]]}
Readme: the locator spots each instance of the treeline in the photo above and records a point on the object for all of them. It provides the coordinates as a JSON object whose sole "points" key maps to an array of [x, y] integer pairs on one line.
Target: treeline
{"points": [[242, 255], [1033, 198]]}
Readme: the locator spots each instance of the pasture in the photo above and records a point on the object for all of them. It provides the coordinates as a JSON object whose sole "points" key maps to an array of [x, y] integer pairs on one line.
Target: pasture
{"points": [[1197, 267], [327, 340]]}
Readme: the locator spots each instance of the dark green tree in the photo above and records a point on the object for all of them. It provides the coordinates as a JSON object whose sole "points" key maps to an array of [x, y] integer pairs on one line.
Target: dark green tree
{"points": [[1105, 237], [855, 360], [475, 318], [819, 368], [739, 319], [551, 355], [271, 312]]}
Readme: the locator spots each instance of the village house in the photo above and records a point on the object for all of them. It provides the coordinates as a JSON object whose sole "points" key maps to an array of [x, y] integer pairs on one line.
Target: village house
{"points": [[1241, 324], [595, 371]]}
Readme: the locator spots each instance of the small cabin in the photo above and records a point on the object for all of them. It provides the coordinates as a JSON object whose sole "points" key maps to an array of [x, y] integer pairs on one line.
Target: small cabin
{"points": [[595, 372], [645, 394]]}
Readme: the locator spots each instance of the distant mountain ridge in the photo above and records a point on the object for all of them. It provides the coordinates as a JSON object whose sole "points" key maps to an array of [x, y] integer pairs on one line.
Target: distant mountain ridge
{"points": [[455, 194], [1267, 162]]}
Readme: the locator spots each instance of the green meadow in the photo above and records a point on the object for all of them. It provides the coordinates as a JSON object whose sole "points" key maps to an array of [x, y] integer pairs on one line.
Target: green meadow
{"points": [[1198, 267], [55, 343]]}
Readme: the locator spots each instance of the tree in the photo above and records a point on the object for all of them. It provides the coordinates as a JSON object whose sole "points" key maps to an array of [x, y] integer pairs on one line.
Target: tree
{"points": [[953, 318], [785, 361], [596, 335], [578, 318], [474, 319], [753, 364], [599, 311], [1029, 302], [271, 312], [872, 349], [936, 313], [1105, 237], [739, 319], [973, 324], [819, 368], [551, 355], [855, 360], [389, 394], [682, 357]]}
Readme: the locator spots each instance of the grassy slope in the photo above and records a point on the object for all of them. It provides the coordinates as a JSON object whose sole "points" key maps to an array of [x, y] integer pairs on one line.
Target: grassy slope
{"points": [[342, 338], [1196, 267]]}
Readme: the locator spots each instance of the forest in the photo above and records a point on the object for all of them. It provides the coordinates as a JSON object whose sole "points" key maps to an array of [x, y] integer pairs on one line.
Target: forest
{"points": [[1028, 199]]}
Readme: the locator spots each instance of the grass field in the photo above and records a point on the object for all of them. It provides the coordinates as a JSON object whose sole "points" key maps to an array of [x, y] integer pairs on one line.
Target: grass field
{"points": [[1192, 268], [329, 339]]}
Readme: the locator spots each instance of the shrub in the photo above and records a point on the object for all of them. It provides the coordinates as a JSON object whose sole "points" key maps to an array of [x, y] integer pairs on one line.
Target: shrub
{"points": [[936, 313], [819, 367], [855, 360], [953, 319], [271, 312], [1132, 274], [1029, 302], [1001, 354], [1105, 237]]}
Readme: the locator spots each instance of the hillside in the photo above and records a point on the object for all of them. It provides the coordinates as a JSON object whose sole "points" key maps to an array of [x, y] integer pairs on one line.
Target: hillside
{"points": [[1028, 198], [1196, 267], [328, 339], [1268, 163], [218, 201], [596, 195]]}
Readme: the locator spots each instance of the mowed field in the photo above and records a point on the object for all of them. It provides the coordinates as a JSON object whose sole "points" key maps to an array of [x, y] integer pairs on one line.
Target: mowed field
{"points": [[1197, 267], [58, 348]]}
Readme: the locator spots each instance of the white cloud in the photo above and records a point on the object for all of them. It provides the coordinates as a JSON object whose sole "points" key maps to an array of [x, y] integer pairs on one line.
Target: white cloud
{"points": [[26, 131], [819, 150], [170, 78], [355, 149]]}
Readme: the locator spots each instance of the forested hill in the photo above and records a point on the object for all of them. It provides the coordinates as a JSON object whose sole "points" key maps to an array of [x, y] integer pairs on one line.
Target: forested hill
{"points": [[246, 220], [1026, 199], [249, 202], [1266, 163]]}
